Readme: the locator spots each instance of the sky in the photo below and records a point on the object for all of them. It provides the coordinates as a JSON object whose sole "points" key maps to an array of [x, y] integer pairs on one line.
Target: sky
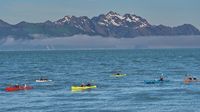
{"points": [[166, 12]]}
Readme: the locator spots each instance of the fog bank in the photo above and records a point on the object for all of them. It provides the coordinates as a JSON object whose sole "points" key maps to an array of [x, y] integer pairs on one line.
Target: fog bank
{"points": [[97, 42]]}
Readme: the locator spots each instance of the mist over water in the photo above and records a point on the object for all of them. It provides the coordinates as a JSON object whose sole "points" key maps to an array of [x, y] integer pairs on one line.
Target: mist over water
{"points": [[97, 42]]}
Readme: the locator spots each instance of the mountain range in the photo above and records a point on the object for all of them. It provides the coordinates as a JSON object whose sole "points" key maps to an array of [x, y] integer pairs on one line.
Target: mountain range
{"points": [[111, 24]]}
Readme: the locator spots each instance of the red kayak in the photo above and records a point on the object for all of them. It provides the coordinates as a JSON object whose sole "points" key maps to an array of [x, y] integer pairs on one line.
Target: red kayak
{"points": [[17, 88]]}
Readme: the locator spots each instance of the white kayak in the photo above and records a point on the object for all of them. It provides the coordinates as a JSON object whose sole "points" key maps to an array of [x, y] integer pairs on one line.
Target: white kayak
{"points": [[43, 80]]}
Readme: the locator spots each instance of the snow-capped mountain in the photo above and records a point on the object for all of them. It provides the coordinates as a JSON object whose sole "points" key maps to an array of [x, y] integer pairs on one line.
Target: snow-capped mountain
{"points": [[116, 20], [111, 24]]}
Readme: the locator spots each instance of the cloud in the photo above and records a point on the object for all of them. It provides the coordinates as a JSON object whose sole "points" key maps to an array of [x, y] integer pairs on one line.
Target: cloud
{"points": [[97, 42]]}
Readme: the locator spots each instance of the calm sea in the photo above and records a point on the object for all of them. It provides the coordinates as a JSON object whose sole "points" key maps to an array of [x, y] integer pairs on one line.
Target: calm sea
{"points": [[125, 94]]}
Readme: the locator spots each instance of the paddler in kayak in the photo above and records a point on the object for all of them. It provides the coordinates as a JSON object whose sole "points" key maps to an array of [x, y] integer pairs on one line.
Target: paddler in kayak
{"points": [[117, 74], [16, 85], [43, 79], [88, 84], [189, 79], [83, 85], [161, 78]]}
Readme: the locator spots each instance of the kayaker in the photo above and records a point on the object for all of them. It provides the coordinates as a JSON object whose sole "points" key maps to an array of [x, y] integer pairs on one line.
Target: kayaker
{"points": [[17, 86], [161, 78], [118, 74], [82, 85], [43, 79], [88, 84], [188, 79]]}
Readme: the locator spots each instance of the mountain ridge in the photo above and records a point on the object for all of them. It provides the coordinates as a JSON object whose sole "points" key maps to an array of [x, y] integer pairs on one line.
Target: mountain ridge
{"points": [[111, 24]]}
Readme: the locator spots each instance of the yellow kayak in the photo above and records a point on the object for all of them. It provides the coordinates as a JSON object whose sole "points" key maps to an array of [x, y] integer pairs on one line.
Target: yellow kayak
{"points": [[118, 75], [79, 88]]}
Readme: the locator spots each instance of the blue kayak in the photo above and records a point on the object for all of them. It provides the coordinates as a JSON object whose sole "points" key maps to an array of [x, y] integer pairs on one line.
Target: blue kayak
{"points": [[154, 81]]}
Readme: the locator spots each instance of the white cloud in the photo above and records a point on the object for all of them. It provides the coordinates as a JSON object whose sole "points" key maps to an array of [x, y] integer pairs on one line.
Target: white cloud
{"points": [[97, 42]]}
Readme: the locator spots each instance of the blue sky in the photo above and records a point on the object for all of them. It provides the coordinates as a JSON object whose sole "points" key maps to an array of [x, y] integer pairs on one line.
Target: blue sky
{"points": [[167, 12]]}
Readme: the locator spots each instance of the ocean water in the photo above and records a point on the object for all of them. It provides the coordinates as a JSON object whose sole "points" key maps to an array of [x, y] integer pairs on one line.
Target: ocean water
{"points": [[124, 94]]}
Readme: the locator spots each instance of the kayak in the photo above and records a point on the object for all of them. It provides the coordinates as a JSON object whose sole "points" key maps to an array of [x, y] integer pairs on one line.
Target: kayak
{"points": [[78, 88], [190, 79], [43, 80], [17, 88], [154, 81], [118, 75]]}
